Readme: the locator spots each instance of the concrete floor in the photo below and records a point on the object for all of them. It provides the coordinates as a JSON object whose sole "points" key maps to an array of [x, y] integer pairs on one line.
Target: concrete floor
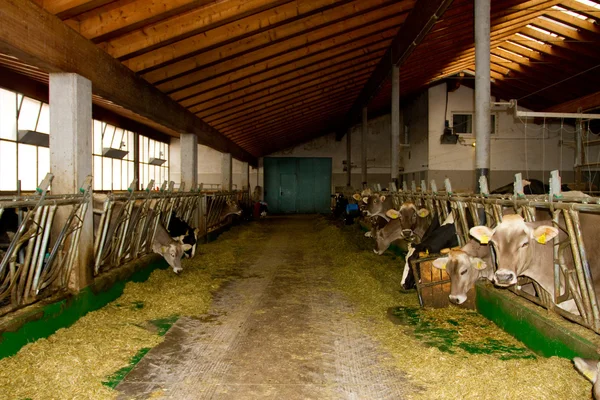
{"points": [[280, 332]]}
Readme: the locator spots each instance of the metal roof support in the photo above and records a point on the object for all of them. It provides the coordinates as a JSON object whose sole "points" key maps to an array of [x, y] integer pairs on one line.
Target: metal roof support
{"points": [[483, 123], [349, 158], [363, 146], [395, 125]]}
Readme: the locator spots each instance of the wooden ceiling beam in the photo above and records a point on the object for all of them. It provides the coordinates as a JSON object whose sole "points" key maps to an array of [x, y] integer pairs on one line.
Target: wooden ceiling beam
{"points": [[318, 101], [123, 16], [65, 9], [214, 66], [288, 106], [284, 95], [284, 121], [260, 33], [578, 49], [183, 26], [54, 47], [224, 74], [283, 133], [322, 77], [570, 20], [586, 103], [314, 63], [581, 8], [419, 22]]}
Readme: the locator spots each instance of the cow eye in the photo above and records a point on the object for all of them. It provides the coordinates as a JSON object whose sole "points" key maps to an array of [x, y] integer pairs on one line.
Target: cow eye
{"points": [[463, 272], [525, 244]]}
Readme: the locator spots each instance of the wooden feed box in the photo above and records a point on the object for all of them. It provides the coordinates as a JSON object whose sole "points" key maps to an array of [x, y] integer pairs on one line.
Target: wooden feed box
{"points": [[433, 287]]}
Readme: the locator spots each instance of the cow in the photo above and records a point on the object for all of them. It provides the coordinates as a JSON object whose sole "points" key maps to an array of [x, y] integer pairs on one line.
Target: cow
{"points": [[590, 369], [465, 267], [187, 235], [436, 238], [408, 224], [522, 249], [171, 249], [231, 208]]}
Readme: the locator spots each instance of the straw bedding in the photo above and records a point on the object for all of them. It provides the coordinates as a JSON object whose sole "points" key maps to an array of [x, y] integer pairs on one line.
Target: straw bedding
{"points": [[372, 283], [74, 362]]}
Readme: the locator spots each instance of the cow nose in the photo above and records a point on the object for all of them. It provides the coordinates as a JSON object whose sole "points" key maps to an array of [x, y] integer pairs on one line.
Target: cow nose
{"points": [[457, 299], [504, 278], [406, 232]]}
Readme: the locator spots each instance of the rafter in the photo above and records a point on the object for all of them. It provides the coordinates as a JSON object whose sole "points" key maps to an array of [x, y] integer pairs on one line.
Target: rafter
{"points": [[54, 47]]}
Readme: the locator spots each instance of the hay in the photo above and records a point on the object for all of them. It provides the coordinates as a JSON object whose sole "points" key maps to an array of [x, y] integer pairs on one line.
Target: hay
{"points": [[371, 282], [74, 362]]}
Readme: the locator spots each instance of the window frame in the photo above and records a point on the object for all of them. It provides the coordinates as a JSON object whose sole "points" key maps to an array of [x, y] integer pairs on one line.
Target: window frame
{"points": [[494, 123]]}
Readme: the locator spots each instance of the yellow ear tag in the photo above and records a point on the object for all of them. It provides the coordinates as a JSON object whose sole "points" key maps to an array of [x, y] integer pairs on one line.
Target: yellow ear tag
{"points": [[484, 239], [426, 252], [393, 216], [542, 239], [589, 375], [443, 267]]}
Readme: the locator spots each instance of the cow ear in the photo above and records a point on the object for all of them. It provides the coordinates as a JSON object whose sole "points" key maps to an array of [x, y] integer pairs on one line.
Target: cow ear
{"points": [[588, 368], [481, 233], [179, 238], [186, 247], [544, 233], [423, 212], [393, 214], [382, 198], [478, 263], [440, 263], [365, 200], [356, 196]]}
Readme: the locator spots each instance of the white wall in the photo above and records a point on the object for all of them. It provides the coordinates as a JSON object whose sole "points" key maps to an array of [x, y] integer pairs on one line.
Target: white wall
{"points": [[378, 153], [209, 166], [415, 158], [517, 146]]}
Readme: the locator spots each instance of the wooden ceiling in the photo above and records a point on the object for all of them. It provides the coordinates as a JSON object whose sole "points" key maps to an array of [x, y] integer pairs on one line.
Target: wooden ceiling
{"points": [[268, 74]]}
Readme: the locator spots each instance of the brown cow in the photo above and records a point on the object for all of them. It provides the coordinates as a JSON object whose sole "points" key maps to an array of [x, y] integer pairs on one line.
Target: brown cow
{"points": [[408, 224]]}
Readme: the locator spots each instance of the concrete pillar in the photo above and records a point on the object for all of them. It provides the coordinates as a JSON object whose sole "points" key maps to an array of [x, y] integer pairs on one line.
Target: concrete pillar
{"points": [[245, 177], [395, 129], [349, 157], [188, 146], [71, 160], [226, 170], [363, 147], [483, 122]]}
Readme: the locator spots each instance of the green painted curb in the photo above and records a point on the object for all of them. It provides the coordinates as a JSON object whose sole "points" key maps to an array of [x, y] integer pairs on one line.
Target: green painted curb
{"points": [[540, 330], [42, 319]]}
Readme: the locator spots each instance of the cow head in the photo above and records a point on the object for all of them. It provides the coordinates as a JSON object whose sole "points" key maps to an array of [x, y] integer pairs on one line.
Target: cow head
{"points": [[409, 217], [374, 204], [514, 242], [463, 270], [231, 208], [590, 369], [172, 253]]}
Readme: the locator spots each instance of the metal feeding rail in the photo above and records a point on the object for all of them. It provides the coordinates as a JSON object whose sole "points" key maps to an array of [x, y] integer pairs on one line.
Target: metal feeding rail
{"points": [[572, 274], [37, 260]]}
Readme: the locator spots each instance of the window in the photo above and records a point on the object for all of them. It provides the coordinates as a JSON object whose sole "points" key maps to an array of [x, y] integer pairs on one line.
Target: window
{"points": [[28, 162], [462, 123], [154, 162], [113, 153]]}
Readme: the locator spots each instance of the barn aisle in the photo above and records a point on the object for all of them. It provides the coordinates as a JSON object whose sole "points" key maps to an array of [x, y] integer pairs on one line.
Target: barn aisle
{"points": [[282, 331]]}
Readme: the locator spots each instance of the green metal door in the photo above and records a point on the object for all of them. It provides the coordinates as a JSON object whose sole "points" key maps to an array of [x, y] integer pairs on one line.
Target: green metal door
{"points": [[297, 185]]}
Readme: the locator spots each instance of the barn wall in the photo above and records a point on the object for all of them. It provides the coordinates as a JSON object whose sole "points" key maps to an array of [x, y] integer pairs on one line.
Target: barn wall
{"points": [[209, 166], [378, 153], [415, 158], [535, 156]]}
